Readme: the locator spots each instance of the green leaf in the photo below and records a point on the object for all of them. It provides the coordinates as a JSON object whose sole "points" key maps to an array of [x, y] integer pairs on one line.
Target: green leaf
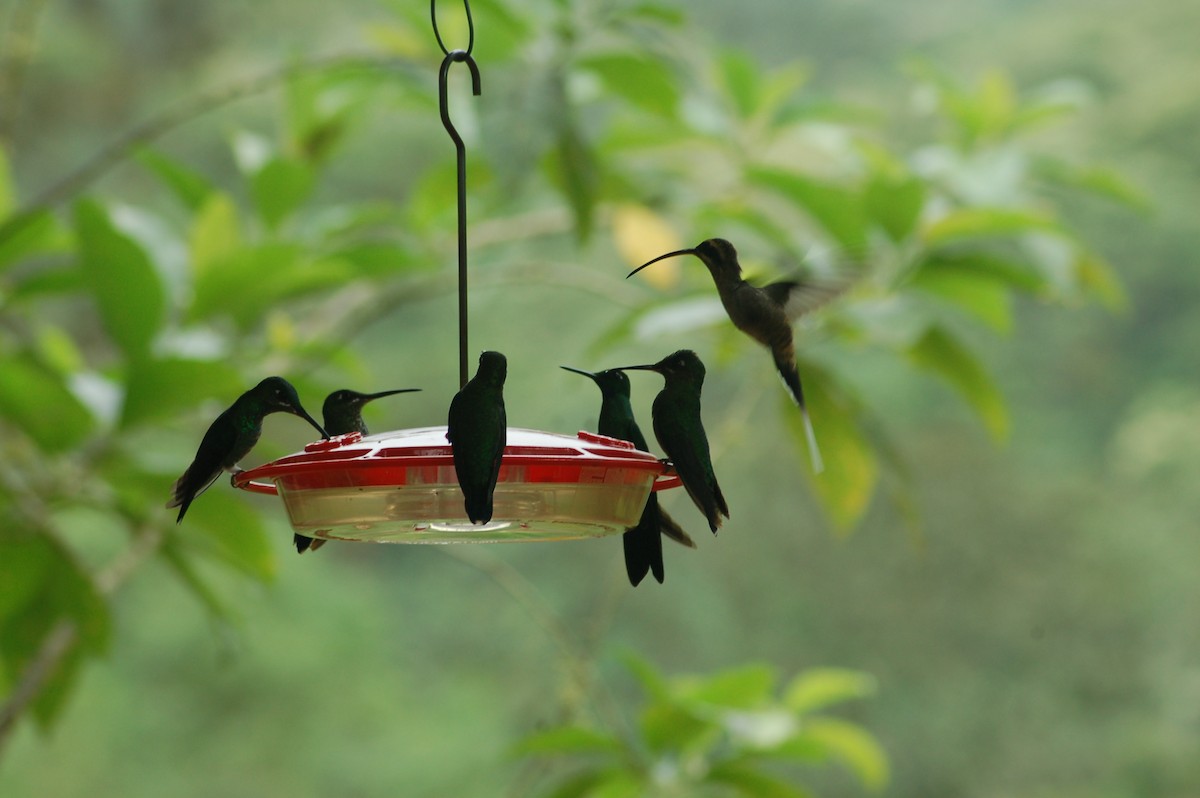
{"points": [[941, 352], [667, 726], [968, 224], [179, 561], [741, 78], [1096, 180], [279, 187], [215, 235], [895, 204], [64, 594], [255, 278], [745, 687], [984, 267], [25, 561], [851, 470], [838, 210], [188, 185], [35, 400], [644, 82], [568, 740], [817, 688], [36, 232], [853, 747], [161, 387], [122, 278], [981, 295], [232, 532], [8, 192], [752, 782], [598, 783], [578, 176], [1096, 275]]}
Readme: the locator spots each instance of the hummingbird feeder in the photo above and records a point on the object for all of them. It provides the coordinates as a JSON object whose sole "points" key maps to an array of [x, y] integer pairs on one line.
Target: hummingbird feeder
{"points": [[401, 486]]}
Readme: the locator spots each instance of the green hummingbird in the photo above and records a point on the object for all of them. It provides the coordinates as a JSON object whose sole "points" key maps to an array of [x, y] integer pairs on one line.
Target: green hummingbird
{"points": [[233, 435], [677, 425], [342, 414], [643, 543], [765, 314], [477, 429]]}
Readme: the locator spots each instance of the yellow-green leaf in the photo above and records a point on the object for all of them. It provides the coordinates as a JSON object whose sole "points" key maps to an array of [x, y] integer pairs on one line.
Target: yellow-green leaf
{"points": [[941, 353]]}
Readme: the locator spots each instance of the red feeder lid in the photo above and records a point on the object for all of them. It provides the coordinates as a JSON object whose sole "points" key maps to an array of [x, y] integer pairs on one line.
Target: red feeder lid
{"points": [[401, 487]]}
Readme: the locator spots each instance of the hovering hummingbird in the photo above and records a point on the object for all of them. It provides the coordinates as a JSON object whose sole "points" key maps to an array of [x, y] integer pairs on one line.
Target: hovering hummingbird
{"points": [[677, 425], [477, 429], [765, 314], [342, 413], [643, 543], [233, 435]]}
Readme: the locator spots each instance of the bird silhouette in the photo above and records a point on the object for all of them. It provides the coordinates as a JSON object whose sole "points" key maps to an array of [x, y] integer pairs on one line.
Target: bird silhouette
{"points": [[233, 435], [477, 429], [342, 414], [642, 543], [677, 425], [766, 314]]}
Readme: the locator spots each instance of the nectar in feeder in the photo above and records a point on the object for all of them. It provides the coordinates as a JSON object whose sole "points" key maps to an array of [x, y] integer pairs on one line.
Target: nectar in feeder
{"points": [[400, 487]]}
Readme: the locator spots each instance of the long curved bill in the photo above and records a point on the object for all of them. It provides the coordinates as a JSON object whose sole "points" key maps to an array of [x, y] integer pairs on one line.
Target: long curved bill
{"points": [[674, 254], [645, 367], [300, 411], [373, 396]]}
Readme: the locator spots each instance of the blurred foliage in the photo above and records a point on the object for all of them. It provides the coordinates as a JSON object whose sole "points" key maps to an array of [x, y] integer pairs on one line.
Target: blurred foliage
{"points": [[130, 317], [725, 734]]}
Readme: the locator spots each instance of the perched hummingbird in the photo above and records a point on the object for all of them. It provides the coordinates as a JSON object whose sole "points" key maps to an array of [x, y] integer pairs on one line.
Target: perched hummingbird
{"points": [[765, 314], [233, 435], [342, 413], [677, 425], [476, 429], [643, 543]]}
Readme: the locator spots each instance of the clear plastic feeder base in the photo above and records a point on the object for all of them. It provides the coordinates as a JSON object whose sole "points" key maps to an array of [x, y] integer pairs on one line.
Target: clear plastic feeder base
{"points": [[400, 487]]}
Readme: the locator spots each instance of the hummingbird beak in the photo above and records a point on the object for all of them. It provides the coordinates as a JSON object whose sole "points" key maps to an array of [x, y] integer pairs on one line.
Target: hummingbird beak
{"points": [[579, 371], [674, 254], [373, 396], [299, 411], [646, 367]]}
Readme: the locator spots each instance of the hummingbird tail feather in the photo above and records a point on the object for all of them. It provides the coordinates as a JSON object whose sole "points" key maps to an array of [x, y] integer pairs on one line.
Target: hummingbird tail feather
{"points": [[790, 375], [669, 527], [637, 565], [810, 436]]}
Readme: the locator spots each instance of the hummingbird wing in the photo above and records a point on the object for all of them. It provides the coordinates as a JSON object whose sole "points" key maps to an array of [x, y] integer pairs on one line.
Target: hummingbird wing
{"points": [[215, 447], [686, 445], [798, 297]]}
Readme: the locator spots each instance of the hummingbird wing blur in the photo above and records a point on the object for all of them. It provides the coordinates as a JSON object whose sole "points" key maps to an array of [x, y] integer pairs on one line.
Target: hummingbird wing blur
{"points": [[798, 297]]}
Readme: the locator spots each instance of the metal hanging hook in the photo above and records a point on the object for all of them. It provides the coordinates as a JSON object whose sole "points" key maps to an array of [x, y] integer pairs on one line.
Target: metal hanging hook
{"points": [[465, 57]]}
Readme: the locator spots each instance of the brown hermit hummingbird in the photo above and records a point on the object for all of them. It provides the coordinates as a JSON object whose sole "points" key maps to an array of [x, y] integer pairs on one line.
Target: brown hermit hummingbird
{"points": [[765, 314]]}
